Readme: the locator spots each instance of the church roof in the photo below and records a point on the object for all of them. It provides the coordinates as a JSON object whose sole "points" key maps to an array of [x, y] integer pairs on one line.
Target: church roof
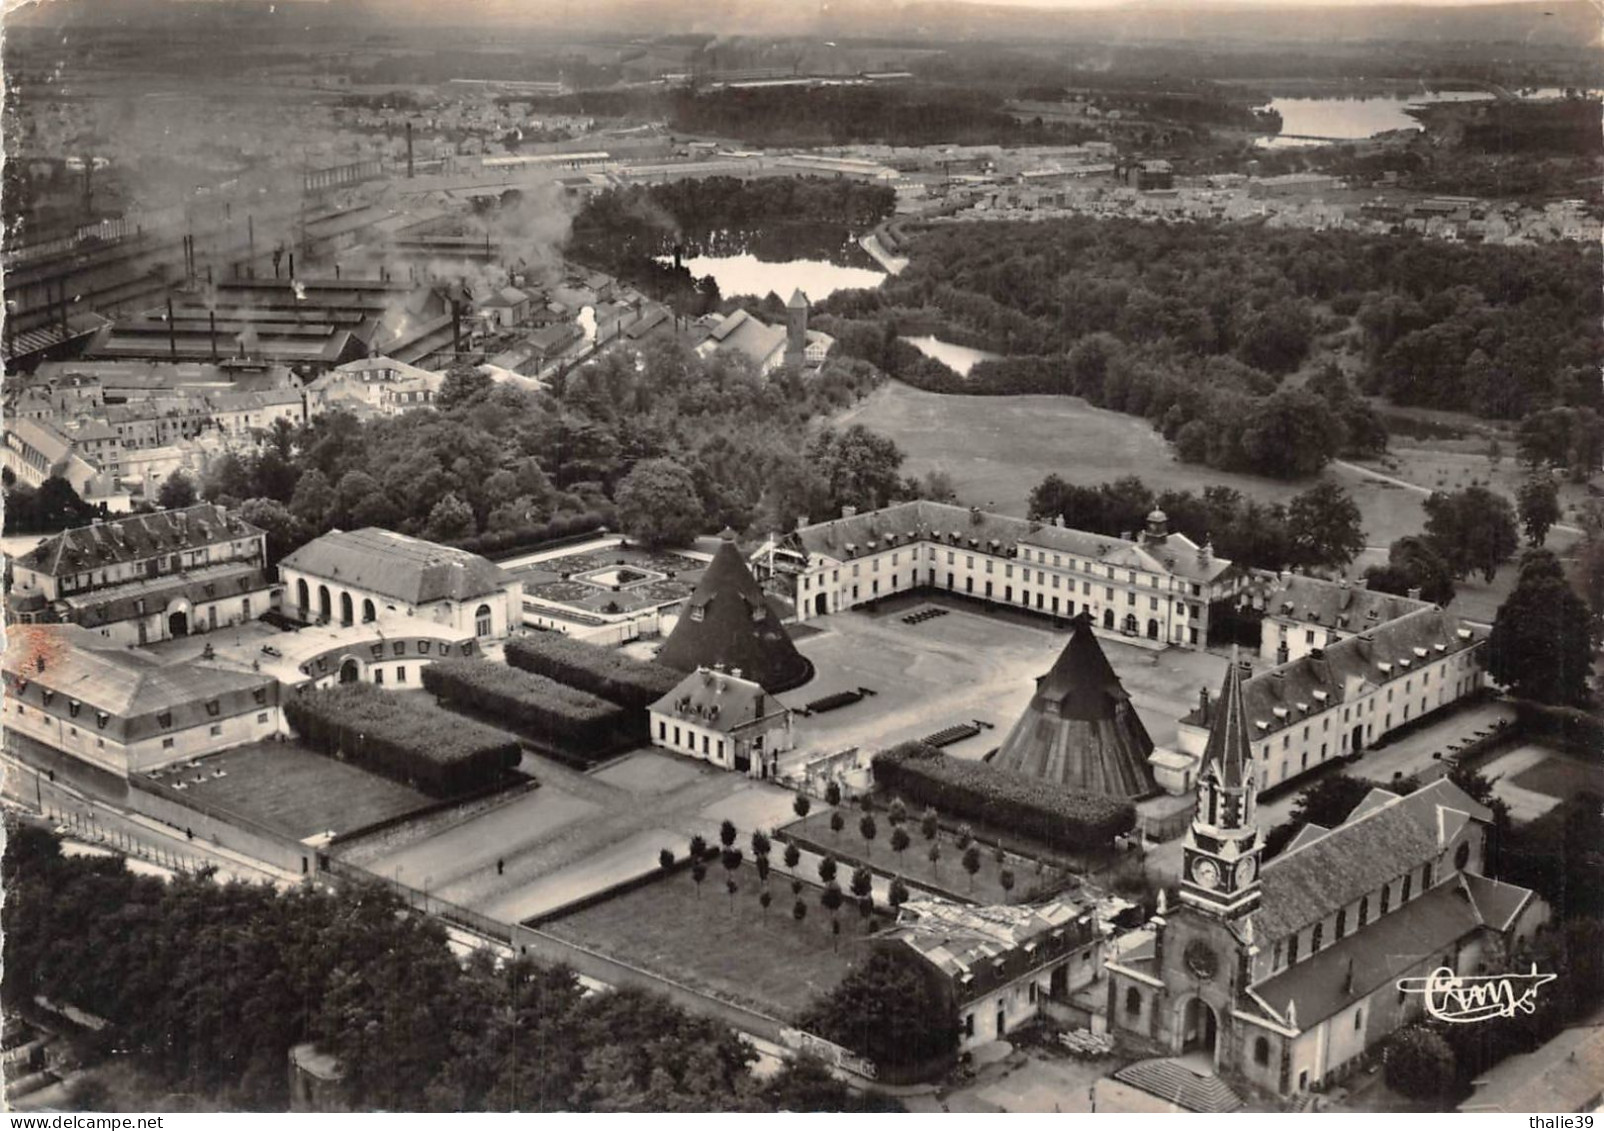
{"points": [[1385, 837], [1080, 729], [394, 565], [1382, 951], [1228, 753], [728, 621]]}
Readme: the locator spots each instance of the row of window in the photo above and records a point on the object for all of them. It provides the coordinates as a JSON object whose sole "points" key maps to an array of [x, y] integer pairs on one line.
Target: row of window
{"points": [[1288, 953], [688, 741], [990, 564]]}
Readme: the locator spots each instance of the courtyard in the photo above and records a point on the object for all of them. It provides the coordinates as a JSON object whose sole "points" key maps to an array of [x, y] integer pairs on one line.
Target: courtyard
{"points": [[609, 579], [292, 789], [578, 834], [729, 946], [972, 665]]}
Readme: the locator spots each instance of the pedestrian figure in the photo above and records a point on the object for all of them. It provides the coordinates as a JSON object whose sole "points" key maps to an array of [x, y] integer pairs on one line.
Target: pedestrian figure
{"points": [[501, 866]]}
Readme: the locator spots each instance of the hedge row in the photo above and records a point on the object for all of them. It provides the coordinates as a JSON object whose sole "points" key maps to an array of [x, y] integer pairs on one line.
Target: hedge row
{"points": [[549, 712], [525, 538], [601, 671], [407, 739], [1052, 814]]}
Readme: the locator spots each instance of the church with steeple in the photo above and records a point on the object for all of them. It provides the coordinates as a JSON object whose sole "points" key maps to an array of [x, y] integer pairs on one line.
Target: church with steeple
{"points": [[1268, 980]]}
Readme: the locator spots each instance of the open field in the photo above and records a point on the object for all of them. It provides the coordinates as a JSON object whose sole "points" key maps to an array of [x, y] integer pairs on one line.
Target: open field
{"points": [[1560, 777], [970, 664], [287, 787], [730, 948], [1010, 444]]}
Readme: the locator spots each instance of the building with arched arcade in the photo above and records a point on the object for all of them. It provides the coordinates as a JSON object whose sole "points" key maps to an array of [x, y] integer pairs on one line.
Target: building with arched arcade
{"points": [[1277, 980], [358, 576]]}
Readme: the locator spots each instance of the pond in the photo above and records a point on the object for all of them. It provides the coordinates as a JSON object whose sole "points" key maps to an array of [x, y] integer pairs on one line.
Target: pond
{"points": [[1351, 119], [746, 274], [959, 359]]}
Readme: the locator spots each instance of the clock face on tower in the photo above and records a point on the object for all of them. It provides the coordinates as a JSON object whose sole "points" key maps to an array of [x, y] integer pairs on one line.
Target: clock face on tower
{"points": [[1245, 871], [1206, 873]]}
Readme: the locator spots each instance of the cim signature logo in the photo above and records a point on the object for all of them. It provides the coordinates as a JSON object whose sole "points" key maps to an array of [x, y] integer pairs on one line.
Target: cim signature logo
{"points": [[1461, 1000]]}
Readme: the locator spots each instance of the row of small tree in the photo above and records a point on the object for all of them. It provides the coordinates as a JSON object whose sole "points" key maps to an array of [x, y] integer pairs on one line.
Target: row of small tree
{"points": [[929, 825]]}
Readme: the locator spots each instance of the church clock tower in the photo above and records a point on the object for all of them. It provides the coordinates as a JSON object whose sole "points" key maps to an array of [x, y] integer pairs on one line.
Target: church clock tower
{"points": [[1220, 874]]}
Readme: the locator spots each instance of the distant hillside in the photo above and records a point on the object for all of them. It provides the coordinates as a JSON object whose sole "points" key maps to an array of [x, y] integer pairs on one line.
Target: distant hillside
{"points": [[1570, 23]]}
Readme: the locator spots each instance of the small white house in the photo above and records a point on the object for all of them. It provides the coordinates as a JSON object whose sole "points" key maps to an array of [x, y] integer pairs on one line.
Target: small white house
{"points": [[723, 719]]}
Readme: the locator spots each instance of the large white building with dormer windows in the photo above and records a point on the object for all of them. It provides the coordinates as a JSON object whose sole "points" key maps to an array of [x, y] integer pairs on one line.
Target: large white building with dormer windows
{"points": [[1275, 978], [1339, 700], [147, 577], [1153, 590]]}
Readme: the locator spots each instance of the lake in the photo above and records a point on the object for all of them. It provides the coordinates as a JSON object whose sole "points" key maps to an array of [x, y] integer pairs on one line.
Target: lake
{"points": [[1351, 119], [959, 359], [746, 274]]}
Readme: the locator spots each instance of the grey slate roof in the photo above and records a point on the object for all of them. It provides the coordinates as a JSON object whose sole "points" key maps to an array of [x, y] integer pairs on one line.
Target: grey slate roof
{"points": [[395, 565], [135, 537], [1375, 845]]}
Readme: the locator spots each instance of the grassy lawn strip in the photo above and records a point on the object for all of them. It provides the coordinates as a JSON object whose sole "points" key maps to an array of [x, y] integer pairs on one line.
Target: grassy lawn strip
{"points": [[729, 948]]}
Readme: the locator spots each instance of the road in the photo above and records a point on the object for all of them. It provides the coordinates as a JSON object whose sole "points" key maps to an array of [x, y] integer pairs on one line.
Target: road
{"points": [[98, 822]]}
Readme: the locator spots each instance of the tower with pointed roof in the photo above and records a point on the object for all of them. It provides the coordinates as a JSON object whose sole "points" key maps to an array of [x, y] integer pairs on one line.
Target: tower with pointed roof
{"points": [[1080, 729], [727, 622], [1220, 873]]}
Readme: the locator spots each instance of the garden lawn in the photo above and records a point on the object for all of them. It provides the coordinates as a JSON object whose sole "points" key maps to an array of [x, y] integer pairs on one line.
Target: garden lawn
{"points": [[914, 865], [1560, 777], [296, 791], [768, 962]]}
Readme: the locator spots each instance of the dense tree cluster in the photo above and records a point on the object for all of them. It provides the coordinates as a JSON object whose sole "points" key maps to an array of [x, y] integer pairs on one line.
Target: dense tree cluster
{"points": [[1193, 326], [52, 506], [209, 986], [888, 1011], [1319, 529], [1413, 562], [497, 466], [633, 232], [1540, 646]]}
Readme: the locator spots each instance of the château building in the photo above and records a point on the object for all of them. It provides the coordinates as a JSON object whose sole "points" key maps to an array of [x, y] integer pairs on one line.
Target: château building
{"points": [[1339, 700], [147, 577], [1154, 589]]}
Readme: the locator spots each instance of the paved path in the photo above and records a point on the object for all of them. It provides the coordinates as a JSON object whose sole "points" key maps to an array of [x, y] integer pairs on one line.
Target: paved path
{"points": [[576, 834], [1359, 469]]}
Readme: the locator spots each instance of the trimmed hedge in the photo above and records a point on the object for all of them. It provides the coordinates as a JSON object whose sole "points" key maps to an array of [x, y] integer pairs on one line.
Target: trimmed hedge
{"points": [[549, 712], [403, 738], [636, 684], [563, 528], [1056, 816]]}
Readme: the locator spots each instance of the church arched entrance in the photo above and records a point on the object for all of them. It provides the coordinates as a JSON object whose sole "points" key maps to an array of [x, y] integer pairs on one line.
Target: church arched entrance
{"points": [[350, 672], [1199, 1028]]}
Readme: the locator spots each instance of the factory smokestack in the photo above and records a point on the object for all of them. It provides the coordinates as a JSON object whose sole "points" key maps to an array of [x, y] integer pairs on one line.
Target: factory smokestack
{"points": [[213, 315], [292, 265], [172, 330], [409, 151]]}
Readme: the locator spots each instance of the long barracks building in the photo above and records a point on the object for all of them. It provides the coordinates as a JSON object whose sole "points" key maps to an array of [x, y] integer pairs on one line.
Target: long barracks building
{"points": [[1154, 590]]}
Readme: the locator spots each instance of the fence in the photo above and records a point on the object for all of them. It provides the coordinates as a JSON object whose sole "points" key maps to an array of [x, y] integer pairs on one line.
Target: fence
{"points": [[85, 827], [217, 825]]}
